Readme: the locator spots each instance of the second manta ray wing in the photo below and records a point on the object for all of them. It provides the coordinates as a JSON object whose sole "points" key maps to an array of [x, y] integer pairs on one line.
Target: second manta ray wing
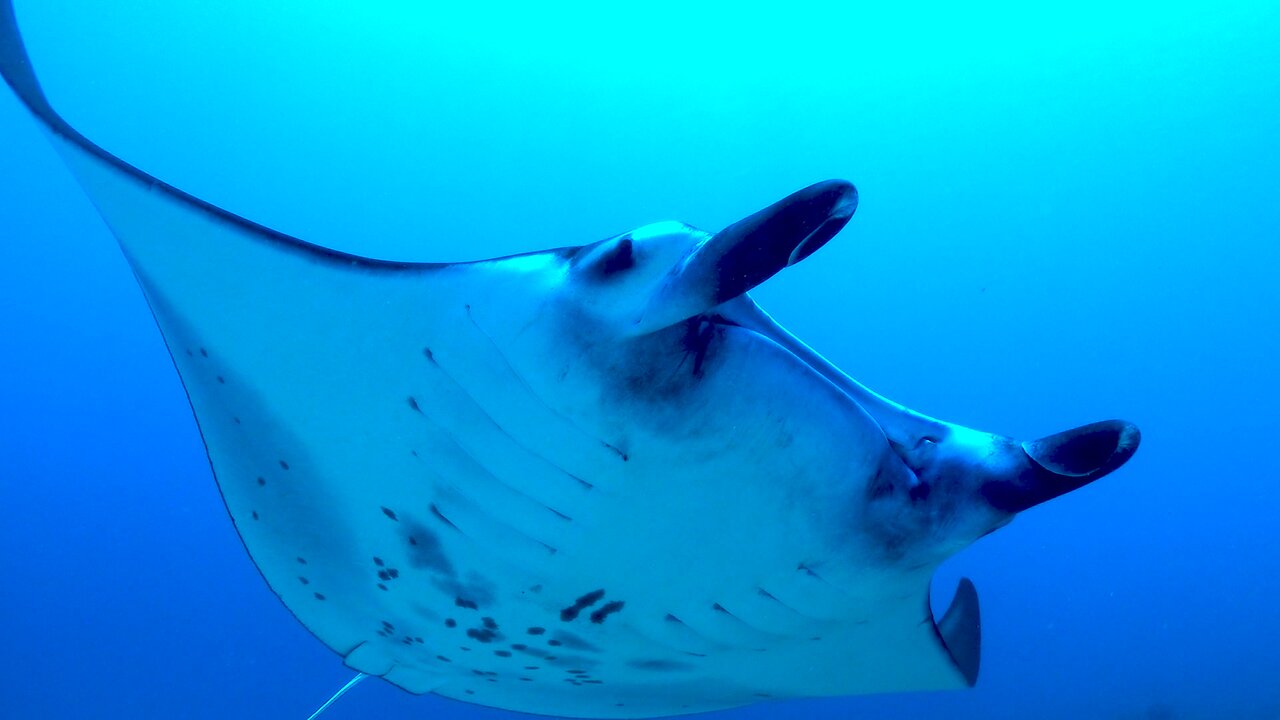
{"points": [[594, 481]]}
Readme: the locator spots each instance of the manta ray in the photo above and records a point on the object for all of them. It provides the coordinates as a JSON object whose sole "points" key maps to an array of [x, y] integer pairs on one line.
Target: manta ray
{"points": [[591, 481]]}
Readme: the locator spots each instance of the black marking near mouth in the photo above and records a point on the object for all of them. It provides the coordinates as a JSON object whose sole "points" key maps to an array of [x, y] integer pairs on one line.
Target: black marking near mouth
{"points": [[718, 319], [697, 339]]}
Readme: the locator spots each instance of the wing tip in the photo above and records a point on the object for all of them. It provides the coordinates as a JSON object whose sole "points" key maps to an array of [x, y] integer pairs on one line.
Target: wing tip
{"points": [[19, 75], [15, 67]]}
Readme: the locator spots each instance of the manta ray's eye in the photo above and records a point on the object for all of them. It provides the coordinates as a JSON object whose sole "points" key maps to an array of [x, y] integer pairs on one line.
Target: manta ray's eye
{"points": [[617, 258]]}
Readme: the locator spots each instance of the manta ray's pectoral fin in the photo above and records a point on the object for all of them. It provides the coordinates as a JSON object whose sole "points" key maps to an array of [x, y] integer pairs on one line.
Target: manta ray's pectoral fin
{"points": [[750, 251], [124, 193], [1062, 462]]}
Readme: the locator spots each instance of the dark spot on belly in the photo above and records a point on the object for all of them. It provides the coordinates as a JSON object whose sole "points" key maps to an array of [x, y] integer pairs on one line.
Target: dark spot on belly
{"points": [[414, 404], [450, 622], [464, 603], [284, 465], [606, 610], [319, 596], [262, 481], [571, 613], [389, 513], [426, 550], [536, 630], [489, 623]]}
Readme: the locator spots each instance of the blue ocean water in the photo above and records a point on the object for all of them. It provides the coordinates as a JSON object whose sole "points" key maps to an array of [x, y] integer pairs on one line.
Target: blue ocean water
{"points": [[1067, 213]]}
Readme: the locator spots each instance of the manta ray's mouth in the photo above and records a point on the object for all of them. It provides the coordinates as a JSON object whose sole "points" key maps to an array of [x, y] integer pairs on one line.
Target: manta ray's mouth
{"points": [[908, 426], [743, 313], [744, 316]]}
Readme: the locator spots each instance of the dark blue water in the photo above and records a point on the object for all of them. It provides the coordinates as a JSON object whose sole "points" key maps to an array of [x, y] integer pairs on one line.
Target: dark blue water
{"points": [[1067, 215]]}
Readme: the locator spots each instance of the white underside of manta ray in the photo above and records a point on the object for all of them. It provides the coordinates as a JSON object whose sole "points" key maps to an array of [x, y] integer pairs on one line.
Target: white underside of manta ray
{"points": [[596, 481]]}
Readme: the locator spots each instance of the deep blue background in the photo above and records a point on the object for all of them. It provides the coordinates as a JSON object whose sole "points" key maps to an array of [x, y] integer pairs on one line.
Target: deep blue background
{"points": [[1067, 214]]}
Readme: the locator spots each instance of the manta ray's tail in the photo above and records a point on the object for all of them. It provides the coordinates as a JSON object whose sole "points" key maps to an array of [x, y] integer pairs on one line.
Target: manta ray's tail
{"points": [[334, 698]]}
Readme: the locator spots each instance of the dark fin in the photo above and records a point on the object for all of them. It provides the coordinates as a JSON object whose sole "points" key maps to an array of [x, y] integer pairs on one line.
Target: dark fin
{"points": [[1088, 451], [1062, 462], [748, 252], [753, 249], [961, 631]]}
